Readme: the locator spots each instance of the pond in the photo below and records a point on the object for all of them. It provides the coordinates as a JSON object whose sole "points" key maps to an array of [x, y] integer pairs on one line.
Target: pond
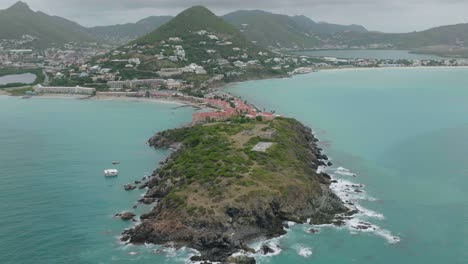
{"points": [[26, 78]]}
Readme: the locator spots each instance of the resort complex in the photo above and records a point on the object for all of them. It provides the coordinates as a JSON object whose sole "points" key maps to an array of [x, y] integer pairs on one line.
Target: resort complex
{"points": [[39, 89]]}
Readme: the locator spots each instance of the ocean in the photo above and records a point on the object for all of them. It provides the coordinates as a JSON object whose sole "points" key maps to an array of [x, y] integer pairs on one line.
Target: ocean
{"points": [[404, 134], [56, 204], [401, 133]]}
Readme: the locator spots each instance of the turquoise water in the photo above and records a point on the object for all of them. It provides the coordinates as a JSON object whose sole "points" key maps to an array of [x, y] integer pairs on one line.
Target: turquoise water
{"points": [[57, 207], [369, 54], [18, 78], [405, 134]]}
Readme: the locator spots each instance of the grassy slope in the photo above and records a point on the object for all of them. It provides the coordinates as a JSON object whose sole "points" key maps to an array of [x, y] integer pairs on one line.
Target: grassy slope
{"points": [[220, 169], [193, 19], [445, 35], [269, 29], [129, 31]]}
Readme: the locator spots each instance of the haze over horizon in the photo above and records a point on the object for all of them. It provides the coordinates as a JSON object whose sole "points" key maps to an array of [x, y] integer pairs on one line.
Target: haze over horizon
{"points": [[379, 15]]}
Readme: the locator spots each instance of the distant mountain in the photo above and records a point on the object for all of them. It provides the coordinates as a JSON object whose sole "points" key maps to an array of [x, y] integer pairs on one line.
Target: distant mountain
{"points": [[308, 25], [124, 33], [282, 31], [20, 20], [452, 35]]}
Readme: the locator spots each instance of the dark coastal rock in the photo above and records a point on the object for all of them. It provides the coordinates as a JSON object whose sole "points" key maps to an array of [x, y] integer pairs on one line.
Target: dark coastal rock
{"points": [[314, 231], [324, 178], [146, 200], [363, 226], [351, 212], [265, 249], [127, 216], [329, 164], [137, 182], [217, 232], [339, 222], [129, 187], [240, 260]]}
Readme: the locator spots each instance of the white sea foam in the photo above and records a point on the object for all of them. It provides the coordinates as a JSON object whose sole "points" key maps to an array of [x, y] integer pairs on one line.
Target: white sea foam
{"points": [[273, 243], [304, 251], [320, 169], [344, 172], [351, 193]]}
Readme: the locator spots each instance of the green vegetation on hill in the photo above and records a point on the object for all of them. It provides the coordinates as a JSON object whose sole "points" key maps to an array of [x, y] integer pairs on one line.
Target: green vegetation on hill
{"points": [[282, 31], [195, 36], [188, 22], [449, 36], [216, 193], [124, 33], [198, 18], [20, 20]]}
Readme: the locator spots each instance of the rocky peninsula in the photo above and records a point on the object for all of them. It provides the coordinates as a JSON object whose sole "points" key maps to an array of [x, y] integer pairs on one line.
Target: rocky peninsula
{"points": [[228, 183]]}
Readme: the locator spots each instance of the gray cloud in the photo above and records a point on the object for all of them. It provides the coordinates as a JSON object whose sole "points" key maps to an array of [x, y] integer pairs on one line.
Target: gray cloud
{"points": [[382, 15]]}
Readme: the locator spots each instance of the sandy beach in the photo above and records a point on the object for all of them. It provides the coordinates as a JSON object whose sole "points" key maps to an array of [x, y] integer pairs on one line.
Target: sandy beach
{"points": [[386, 68]]}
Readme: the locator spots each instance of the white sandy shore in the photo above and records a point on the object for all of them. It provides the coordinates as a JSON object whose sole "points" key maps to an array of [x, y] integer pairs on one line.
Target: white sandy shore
{"points": [[387, 68], [151, 100]]}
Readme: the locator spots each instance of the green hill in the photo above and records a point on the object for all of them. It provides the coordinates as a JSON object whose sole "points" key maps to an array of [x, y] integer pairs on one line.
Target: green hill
{"points": [[195, 46], [190, 21], [124, 33], [20, 20], [282, 31], [449, 36]]}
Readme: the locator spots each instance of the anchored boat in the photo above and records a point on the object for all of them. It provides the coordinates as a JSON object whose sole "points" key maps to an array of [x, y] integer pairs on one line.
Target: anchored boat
{"points": [[111, 172]]}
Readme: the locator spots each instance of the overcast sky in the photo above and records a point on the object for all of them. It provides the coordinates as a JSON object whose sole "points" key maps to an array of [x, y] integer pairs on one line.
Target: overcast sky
{"points": [[381, 15]]}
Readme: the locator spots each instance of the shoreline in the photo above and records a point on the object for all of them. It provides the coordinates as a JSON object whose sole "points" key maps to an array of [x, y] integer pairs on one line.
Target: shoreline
{"points": [[387, 68], [235, 248]]}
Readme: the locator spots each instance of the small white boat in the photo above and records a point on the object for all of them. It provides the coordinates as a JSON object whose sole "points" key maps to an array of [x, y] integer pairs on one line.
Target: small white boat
{"points": [[116, 162], [111, 172]]}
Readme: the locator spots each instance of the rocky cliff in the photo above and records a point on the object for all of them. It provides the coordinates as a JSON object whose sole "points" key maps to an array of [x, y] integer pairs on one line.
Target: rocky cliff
{"points": [[217, 191]]}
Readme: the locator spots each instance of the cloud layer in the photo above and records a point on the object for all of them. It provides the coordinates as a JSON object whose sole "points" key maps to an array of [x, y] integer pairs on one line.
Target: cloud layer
{"points": [[382, 15]]}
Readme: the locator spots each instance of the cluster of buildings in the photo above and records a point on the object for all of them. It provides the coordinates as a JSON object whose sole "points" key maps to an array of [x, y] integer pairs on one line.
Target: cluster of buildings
{"points": [[52, 59], [145, 83], [39, 89], [229, 109]]}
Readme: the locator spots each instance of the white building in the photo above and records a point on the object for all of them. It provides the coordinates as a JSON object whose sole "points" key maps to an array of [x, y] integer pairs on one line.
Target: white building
{"points": [[64, 90]]}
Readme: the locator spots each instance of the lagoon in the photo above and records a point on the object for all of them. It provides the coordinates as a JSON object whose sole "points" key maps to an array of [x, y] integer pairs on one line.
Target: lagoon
{"points": [[26, 78]]}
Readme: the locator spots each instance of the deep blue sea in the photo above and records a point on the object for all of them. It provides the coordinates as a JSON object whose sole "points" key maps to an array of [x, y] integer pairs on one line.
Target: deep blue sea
{"points": [[402, 132]]}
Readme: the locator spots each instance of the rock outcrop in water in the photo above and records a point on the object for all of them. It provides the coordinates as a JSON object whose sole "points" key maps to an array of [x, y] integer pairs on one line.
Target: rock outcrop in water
{"points": [[215, 193]]}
